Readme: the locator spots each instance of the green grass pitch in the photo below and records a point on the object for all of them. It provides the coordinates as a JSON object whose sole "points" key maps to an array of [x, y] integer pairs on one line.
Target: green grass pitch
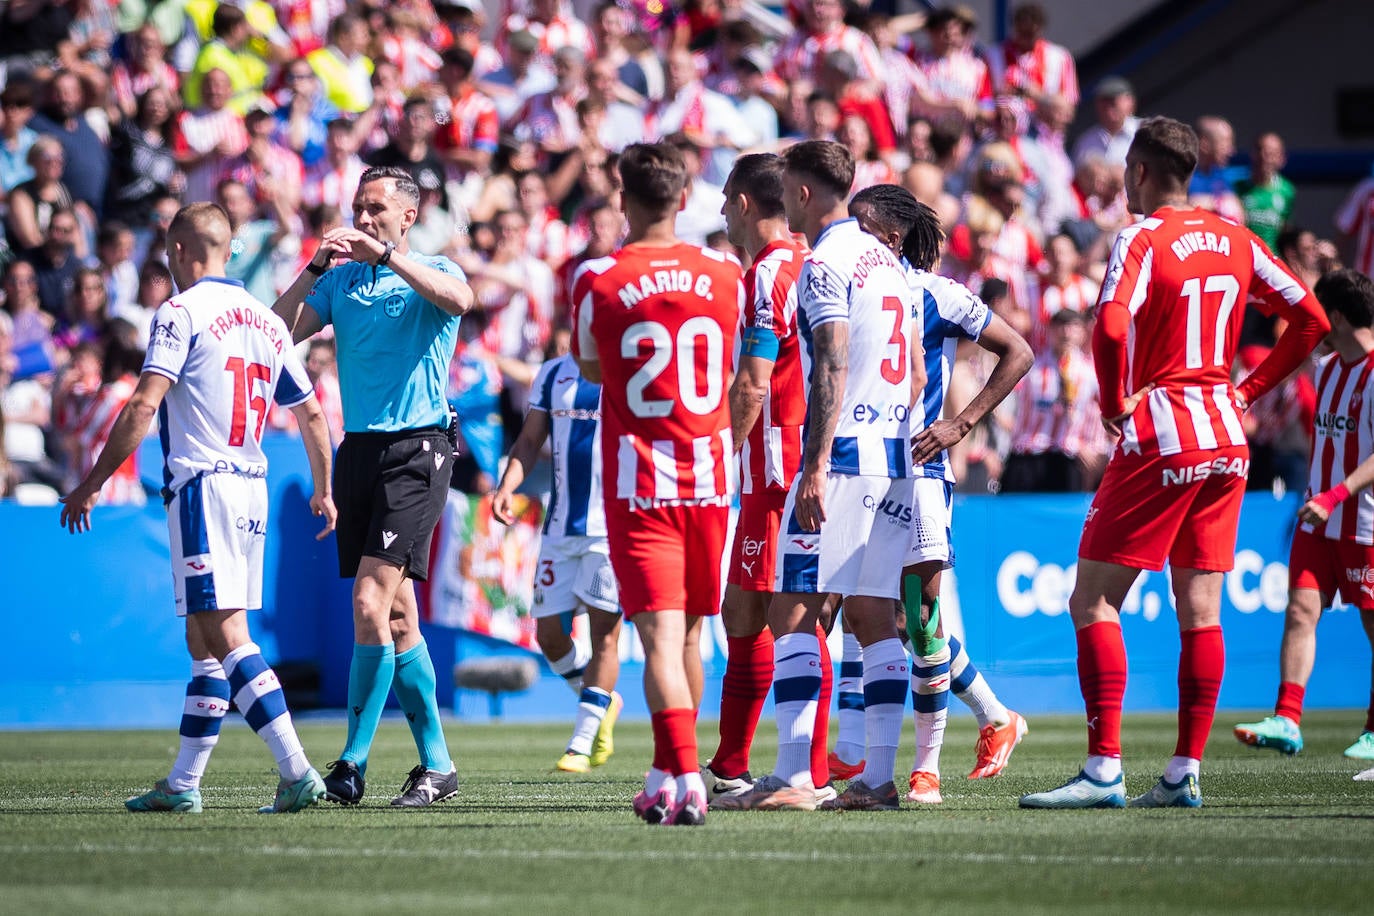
{"points": [[1276, 835]]}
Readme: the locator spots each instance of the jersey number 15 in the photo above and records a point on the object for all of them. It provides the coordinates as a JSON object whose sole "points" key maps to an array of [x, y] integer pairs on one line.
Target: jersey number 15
{"points": [[246, 376]]}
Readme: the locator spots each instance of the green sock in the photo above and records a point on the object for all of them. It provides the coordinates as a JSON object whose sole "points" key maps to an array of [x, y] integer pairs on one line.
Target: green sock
{"points": [[369, 681], [415, 687], [924, 642]]}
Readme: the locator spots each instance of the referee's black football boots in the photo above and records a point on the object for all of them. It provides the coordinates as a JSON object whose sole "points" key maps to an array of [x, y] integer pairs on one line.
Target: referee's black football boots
{"points": [[344, 784], [423, 788]]}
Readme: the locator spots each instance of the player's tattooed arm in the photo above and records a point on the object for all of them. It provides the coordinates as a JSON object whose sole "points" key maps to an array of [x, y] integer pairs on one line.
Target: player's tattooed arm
{"points": [[748, 391], [829, 372]]}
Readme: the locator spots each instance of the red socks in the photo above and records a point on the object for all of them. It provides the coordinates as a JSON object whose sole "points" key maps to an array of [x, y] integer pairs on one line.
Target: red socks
{"points": [[675, 741], [1369, 715], [820, 737], [744, 689], [1290, 701], [1102, 678], [1200, 666]]}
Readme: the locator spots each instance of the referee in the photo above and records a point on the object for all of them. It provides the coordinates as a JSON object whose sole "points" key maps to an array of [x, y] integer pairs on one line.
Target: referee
{"points": [[395, 318]]}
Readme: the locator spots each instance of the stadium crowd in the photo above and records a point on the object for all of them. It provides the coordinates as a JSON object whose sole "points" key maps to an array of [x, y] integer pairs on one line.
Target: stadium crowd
{"points": [[114, 113]]}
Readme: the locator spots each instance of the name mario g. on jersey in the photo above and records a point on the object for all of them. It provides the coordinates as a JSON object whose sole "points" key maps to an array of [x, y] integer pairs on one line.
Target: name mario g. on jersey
{"points": [[665, 277]]}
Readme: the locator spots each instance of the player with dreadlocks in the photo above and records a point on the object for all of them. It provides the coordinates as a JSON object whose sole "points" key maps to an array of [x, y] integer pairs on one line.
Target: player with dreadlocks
{"points": [[912, 230]]}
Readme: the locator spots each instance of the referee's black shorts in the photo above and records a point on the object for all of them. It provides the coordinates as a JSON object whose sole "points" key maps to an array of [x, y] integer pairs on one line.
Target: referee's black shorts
{"points": [[390, 489]]}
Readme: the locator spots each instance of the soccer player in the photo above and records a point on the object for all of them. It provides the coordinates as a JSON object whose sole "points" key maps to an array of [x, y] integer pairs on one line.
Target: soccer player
{"points": [[1169, 319], [1333, 548], [215, 358], [395, 317], [574, 572], [911, 231], [848, 512], [656, 325], [767, 410]]}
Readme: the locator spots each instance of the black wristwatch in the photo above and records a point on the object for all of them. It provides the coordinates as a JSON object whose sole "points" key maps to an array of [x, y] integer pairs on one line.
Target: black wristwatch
{"points": [[385, 258], [316, 269]]}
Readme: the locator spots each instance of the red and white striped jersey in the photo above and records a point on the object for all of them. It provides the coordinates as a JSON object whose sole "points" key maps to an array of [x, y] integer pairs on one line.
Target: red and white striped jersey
{"points": [[1078, 294], [1046, 69], [471, 122], [771, 455], [562, 31], [334, 186], [92, 431], [1343, 436], [661, 322], [1356, 219], [1183, 277], [201, 131], [1056, 406], [960, 74], [800, 56], [415, 61]]}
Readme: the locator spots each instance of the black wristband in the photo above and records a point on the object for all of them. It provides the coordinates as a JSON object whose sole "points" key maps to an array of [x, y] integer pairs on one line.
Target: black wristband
{"points": [[385, 258], [314, 268]]}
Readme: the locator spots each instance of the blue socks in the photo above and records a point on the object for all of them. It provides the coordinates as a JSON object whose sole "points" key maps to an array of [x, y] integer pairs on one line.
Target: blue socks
{"points": [[369, 681], [415, 687]]}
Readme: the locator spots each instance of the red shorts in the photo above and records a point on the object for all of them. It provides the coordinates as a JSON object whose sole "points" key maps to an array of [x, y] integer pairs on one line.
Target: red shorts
{"points": [[754, 556], [667, 558], [1331, 566], [1181, 508]]}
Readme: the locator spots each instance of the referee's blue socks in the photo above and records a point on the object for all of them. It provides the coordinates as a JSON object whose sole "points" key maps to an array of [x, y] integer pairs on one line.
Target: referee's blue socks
{"points": [[369, 681], [415, 687]]}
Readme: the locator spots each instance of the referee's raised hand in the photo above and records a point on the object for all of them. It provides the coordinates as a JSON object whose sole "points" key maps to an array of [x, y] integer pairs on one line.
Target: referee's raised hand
{"points": [[353, 243]]}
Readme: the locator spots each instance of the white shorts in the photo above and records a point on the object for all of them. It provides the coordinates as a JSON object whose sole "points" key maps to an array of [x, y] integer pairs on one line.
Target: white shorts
{"points": [[574, 571], [218, 523], [930, 524], [861, 546]]}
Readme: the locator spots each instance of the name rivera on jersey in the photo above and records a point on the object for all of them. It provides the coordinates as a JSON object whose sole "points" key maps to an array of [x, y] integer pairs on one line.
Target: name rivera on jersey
{"points": [[1190, 243], [664, 281], [250, 318]]}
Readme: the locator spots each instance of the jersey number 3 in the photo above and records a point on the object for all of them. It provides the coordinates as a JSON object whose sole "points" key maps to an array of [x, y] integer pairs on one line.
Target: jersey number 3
{"points": [[246, 376], [895, 371], [708, 356]]}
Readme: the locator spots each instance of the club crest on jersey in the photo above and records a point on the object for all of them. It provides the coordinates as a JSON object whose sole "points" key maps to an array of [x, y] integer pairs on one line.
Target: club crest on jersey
{"points": [[394, 306], [820, 286]]}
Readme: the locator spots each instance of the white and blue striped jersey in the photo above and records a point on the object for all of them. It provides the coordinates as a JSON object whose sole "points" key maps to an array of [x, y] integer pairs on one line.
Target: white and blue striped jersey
{"points": [[851, 277], [951, 313], [229, 358], [573, 404]]}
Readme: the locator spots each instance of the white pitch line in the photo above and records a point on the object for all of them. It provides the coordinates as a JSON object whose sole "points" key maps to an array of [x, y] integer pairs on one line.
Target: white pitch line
{"points": [[819, 856]]}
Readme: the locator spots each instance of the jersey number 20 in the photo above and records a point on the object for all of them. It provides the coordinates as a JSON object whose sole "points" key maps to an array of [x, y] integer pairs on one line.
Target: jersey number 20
{"points": [[699, 345], [246, 376]]}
